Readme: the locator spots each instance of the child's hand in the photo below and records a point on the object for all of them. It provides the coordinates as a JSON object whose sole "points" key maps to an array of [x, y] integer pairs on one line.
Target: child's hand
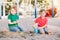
{"points": [[33, 26], [17, 21], [14, 22]]}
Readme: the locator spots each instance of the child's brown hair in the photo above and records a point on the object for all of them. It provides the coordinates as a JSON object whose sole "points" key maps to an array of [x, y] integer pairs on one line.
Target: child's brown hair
{"points": [[41, 11]]}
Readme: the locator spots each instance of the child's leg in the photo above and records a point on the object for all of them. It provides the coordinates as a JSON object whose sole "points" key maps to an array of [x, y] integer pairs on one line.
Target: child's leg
{"points": [[20, 29], [47, 31], [42, 31], [12, 29]]}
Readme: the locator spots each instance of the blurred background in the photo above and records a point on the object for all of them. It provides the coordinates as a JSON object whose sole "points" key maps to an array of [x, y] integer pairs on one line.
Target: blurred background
{"points": [[27, 7]]}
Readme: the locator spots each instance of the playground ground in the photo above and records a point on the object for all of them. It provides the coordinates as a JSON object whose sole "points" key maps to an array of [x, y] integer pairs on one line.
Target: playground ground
{"points": [[26, 24]]}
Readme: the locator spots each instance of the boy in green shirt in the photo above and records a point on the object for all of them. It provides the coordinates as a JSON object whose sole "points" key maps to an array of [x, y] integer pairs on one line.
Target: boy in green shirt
{"points": [[13, 21]]}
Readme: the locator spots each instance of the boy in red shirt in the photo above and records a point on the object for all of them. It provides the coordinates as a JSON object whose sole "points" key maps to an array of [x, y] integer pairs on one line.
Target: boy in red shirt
{"points": [[42, 23]]}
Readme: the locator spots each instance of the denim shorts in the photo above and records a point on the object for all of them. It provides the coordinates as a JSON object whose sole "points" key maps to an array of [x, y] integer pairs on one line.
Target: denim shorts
{"points": [[15, 28], [44, 30]]}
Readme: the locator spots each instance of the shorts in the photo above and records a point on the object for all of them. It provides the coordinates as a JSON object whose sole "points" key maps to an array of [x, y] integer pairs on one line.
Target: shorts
{"points": [[44, 30], [15, 29]]}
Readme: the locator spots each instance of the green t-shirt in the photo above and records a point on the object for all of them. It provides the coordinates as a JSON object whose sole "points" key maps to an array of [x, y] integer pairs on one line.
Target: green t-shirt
{"points": [[13, 18]]}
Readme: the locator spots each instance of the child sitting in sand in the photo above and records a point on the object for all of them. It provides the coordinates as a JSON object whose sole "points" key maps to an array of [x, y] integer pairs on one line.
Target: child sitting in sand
{"points": [[42, 23], [13, 20]]}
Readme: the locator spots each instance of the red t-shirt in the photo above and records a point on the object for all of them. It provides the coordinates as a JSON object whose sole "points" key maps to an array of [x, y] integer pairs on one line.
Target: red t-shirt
{"points": [[41, 22]]}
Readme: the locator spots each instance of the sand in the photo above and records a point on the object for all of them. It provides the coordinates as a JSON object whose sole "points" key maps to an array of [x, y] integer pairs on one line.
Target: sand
{"points": [[26, 24]]}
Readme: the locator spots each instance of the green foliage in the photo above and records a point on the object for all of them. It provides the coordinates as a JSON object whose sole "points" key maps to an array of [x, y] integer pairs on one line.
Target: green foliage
{"points": [[41, 2], [9, 0], [20, 1]]}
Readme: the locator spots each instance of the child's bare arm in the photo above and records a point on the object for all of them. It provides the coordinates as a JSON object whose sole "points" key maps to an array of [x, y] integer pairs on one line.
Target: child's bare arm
{"points": [[17, 21], [44, 25], [34, 25], [9, 21]]}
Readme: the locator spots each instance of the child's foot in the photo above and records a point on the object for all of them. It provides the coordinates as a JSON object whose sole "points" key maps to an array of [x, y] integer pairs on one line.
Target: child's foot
{"points": [[21, 33], [50, 33], [42, 33]]}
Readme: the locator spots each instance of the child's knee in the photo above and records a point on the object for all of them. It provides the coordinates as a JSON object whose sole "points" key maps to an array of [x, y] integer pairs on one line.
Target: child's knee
{"points": [[12, 29]]}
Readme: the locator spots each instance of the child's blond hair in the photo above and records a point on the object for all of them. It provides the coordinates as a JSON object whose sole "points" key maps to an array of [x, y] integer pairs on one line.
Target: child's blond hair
{"points": [[14, 7]]}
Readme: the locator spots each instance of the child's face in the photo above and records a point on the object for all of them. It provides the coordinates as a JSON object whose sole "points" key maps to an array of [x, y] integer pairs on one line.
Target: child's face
{"points": [[43, 14], [13, 11]]}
